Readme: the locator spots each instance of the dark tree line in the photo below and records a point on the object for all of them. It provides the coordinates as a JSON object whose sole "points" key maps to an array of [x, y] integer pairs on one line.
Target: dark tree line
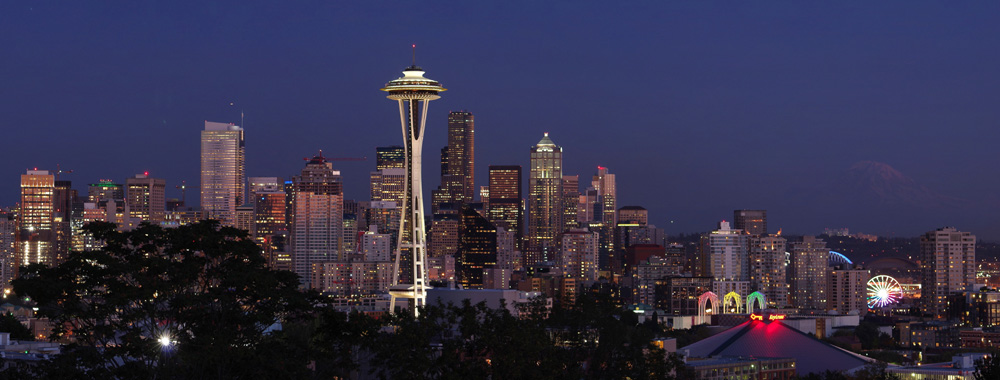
{"points": [[197, 301]]}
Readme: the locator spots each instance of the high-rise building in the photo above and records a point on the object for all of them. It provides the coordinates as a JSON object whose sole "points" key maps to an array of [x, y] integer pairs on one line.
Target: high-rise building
{"points": [[948, 263], [387, 157], [504, 206], [352, 279], [259, 184], [477, 248], [847, 289], [604, 183], [35, 221], [571, 200], [269, 223], [578, 256], [105, 190], [317, 219], [413, 92], [244, 218], [725, 254], [808, 273], [389, 185], [508, 256], [680, 295], [8, 240], [63, 197], [146, 198], [767, 269], [445, 227], [753, 222], [375, 246], [222, 171], [459, 175], [545, 202], [637, 215]]}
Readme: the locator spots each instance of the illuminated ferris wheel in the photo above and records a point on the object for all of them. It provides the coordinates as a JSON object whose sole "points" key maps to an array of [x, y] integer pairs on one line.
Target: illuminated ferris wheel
{"points": [[883, 291]]}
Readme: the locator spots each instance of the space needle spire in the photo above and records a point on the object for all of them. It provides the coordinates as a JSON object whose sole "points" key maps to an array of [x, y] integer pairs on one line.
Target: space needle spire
{"points": [[413, 92]]}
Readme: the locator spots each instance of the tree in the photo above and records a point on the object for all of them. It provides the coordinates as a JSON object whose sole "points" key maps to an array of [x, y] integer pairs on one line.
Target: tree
{"points": [[988, 368], [875, 371], [189, 302], [10, 324]]}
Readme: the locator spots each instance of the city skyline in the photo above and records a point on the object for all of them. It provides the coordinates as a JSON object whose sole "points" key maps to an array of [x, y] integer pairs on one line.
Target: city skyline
{"points": [[866, 89]]}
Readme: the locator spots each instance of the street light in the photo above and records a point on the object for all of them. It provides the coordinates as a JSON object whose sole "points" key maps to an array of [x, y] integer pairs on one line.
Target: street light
{"points": [[165, 341]]}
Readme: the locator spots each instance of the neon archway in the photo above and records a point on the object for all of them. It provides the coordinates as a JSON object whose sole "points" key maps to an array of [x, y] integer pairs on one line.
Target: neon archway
{"points": [[702, 303], [735, 297], [756, 296], [838, 258]]}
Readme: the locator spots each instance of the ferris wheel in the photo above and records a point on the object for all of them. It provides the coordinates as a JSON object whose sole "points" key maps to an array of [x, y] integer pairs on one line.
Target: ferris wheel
{"points": [[883, 291]]}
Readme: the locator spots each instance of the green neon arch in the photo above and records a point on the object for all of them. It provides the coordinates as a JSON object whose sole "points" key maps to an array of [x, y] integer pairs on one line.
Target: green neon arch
{"points": [[756, 296]]}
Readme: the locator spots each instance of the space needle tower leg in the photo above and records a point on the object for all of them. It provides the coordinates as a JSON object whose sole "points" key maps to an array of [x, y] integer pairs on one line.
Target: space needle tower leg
{"points": [[413, 92]]}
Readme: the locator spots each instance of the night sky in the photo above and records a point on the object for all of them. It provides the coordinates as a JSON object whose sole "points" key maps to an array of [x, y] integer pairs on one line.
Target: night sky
{"points": [[698, 107]]}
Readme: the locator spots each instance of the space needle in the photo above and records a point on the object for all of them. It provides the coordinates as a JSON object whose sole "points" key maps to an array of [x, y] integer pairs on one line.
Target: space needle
{"points": [[413, 92]]}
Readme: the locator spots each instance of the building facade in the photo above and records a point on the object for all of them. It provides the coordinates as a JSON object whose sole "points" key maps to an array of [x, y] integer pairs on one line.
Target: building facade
{"points": [[808, 273], [725, 254], [545, 206], [458, 178], [753, 222], [146, 198], [317, 217], [579, 255], [768, 272], [848, 290], [35, 221], [948, 263], [223, 162], [504, 205]]}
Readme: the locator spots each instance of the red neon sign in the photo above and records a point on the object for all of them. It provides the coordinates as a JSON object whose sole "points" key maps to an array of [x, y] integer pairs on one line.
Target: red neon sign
{"points": [[770, 317]]}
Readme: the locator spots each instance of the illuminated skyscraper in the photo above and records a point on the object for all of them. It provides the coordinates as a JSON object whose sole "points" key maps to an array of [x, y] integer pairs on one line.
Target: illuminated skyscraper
{"points": [[571, 200], [35, 222], [477, 248], [808, 272], [390, 157], [726, 254], [504, 203], [269, 227], [460, 175], [222, 171], [146, 198], [259, 184], [605, 212], [948, 261], [63, 197], [317, 221], [607, 193], [847, 289], [578, 256], [545, 202], [768, 273], [413, 92], [8, 240], [753, 222], [105, 190]]}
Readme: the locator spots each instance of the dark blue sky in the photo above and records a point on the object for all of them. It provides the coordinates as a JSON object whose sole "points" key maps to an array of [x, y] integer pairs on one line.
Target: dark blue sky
{"points": [[698, 107]]}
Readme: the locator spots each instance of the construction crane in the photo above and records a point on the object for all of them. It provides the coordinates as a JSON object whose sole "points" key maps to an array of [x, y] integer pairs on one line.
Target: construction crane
{"points": [[60, 171], [183, 187], [337, 158]]}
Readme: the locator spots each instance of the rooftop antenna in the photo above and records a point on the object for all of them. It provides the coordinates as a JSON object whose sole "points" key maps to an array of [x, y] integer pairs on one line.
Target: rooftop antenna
{"points": [[414, 55]]}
